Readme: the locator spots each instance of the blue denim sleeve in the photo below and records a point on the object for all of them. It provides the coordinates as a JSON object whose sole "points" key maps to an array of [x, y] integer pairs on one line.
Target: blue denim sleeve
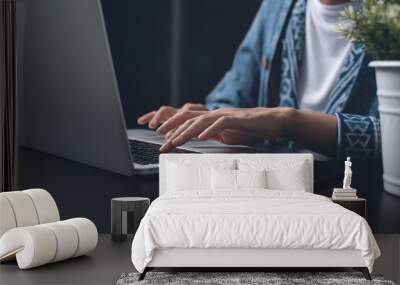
{"points": [[239, 86], [358, 136]]}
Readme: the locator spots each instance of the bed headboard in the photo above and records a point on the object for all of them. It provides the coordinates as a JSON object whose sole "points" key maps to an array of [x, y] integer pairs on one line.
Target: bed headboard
{"points": [[204, 159]]}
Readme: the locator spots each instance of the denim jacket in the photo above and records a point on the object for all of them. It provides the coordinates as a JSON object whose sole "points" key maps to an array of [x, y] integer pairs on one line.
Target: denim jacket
{"points": [[255, 79]]}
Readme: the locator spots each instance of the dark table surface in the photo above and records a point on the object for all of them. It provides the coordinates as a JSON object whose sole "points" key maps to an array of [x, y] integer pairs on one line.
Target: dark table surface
{"points": [[85, 191]]}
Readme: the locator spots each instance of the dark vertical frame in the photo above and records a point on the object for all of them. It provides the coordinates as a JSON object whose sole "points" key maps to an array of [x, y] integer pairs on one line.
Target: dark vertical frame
{"points": [[8, 100], [176, 52]]}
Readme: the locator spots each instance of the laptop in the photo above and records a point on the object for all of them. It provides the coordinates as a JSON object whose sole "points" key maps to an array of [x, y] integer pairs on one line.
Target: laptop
{"points": [[69, 103]]}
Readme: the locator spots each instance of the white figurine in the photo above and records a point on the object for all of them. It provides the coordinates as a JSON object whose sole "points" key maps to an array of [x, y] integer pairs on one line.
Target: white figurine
{"points": [[348, 173]]}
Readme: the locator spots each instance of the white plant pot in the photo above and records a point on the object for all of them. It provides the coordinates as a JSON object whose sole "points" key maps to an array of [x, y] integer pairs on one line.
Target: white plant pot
{"points": [[388, 82]]}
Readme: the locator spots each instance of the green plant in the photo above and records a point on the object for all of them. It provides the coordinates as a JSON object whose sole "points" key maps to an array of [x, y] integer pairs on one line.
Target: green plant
{"points": [[377, 25]]}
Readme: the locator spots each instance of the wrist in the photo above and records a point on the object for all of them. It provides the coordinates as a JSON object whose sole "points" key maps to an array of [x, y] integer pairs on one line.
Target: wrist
{"points": [[289, 117]]}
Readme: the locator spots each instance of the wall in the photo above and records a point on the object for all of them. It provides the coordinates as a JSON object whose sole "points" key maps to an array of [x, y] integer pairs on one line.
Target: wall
{"points": [[140, 37]]}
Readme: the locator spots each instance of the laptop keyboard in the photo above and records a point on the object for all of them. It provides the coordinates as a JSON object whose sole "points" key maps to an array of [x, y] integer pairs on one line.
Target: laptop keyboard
{"points": [[147, 153]]}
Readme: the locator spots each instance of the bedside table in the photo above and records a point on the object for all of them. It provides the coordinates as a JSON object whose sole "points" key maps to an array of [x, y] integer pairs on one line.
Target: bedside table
{"points": [[357, 205]]}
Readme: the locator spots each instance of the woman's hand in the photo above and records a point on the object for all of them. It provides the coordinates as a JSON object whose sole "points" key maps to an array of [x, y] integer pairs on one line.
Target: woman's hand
{"points": [[157, 117], [229, 126], [316, 131]]}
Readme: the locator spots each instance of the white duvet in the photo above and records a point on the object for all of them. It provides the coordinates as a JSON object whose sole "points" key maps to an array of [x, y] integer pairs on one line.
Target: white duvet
{"points": [[250, 219]]}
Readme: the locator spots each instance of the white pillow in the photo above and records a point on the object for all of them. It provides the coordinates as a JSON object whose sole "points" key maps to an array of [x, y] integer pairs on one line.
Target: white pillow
{"points": [[291, 179], [230, 180], [251, 179], [223, 179], [281, 174], [184, 176]]}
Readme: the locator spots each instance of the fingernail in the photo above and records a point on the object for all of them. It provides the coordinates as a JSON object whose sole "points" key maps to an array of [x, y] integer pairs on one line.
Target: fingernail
{"points": [[165, 146], [162, 148]]}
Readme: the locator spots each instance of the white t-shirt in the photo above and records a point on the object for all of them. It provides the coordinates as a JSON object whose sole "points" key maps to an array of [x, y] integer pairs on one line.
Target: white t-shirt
{"points": [[324, 55]]}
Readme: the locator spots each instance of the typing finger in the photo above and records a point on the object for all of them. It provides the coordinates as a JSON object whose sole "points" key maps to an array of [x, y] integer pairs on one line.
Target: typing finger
{"points": [[191, 131], [161, 116], [217, 127], [146, 118], [168, 145], [178, 119], [169, 134]]}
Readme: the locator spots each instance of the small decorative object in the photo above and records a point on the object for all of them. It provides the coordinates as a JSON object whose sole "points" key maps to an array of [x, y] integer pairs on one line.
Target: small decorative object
{"points": [[377, 26], [348, 173], [347, 192]]}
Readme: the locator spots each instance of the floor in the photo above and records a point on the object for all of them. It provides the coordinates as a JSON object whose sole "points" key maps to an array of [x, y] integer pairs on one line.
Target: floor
{"points": [[104, 266], [111, 259], [388, 264]]}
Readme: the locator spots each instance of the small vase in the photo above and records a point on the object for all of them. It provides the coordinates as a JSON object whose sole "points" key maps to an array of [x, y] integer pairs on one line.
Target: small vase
{"points": [[388, 83]]}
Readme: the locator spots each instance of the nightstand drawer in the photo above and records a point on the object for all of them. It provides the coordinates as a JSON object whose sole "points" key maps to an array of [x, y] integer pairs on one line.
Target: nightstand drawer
{"points": [[358, 206]]}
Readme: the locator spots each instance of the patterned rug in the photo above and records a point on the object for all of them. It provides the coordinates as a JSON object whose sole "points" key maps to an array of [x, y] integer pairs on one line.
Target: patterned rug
{"points": [[244, 278]]}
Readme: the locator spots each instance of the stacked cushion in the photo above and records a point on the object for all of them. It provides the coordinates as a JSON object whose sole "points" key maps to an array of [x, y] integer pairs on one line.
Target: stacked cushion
{"points": [[7, 218], [41, 244], [26, 208], [45, 206]]}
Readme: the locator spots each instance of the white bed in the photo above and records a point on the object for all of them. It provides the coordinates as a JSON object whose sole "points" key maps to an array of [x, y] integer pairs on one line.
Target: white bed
{"points": [[195, 224]]}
